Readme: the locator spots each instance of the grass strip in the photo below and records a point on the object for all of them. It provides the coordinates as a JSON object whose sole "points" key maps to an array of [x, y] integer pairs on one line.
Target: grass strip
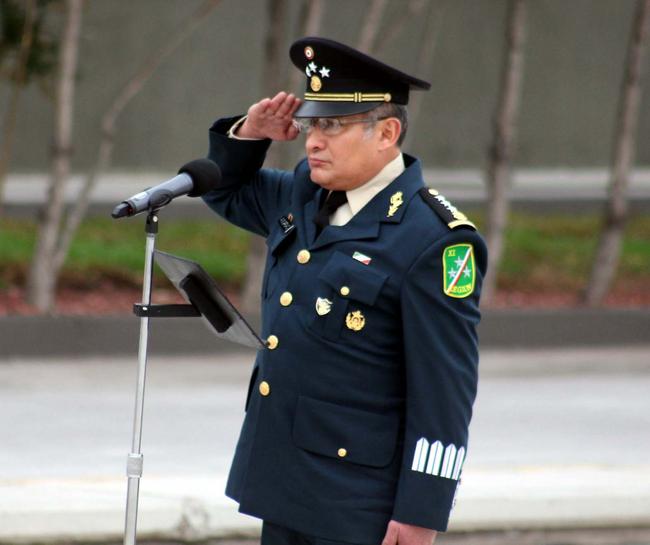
{"points": [[543, 252]]}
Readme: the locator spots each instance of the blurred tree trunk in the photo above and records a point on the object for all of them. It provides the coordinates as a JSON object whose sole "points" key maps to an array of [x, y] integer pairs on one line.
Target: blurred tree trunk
{"points": [[108, 125], [18, 81], [41, 282], [624, 149], [275, 77], [503, 144], [370, 29], [412, 11], [272, 82], [424, 64]]}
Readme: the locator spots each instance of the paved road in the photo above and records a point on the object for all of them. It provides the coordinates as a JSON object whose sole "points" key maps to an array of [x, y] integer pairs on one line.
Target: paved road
{"points": [[550, 427]]}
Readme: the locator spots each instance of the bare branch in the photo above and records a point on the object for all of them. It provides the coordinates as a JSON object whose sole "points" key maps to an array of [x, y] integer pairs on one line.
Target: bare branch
{"points": [[414, 8], [150, 65], [426, 55], [132, 87], [371, 26]]}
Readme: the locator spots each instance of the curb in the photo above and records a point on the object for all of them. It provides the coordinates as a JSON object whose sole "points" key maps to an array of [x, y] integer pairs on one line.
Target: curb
{"points": [[42, 336], [193, 509]]}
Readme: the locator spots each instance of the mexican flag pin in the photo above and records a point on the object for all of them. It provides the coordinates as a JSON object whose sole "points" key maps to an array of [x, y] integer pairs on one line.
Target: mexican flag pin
{"points": [[362, 258]]}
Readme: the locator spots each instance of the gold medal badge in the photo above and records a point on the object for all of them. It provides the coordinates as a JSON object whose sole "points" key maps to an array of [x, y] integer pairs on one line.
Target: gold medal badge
{"points": [[355, 320]]}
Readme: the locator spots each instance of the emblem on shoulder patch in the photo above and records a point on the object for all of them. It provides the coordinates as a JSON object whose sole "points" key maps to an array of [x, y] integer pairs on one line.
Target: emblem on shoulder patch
{"points": [[459, 271]]}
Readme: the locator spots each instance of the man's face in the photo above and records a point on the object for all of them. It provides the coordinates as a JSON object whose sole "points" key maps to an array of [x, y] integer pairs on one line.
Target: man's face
{"points": [[347, 159]]}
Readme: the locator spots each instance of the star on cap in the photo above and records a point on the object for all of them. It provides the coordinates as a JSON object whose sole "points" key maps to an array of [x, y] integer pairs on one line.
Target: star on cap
{"points": [[325, 72]]}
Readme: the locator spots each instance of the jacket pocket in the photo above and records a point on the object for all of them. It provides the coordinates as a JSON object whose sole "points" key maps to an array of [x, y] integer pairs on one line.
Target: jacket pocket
{"points": [[349, 435], [344, 285]]}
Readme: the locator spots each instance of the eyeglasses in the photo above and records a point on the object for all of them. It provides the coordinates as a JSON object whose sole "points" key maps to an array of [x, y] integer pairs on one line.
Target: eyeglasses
{"points": [[329, 126]]}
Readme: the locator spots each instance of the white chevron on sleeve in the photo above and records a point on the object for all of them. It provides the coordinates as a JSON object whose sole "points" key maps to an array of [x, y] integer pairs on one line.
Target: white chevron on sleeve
{"points": [[448, 461], [420, 456], [460, 458], [435, 457], [437, 460]]}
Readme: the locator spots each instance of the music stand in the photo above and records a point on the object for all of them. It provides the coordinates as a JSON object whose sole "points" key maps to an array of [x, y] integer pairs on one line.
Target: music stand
{"points": [[205, 299]]}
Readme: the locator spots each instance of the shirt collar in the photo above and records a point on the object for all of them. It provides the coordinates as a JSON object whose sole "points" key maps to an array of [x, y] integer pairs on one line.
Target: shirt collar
{"points": [[362, 195]]}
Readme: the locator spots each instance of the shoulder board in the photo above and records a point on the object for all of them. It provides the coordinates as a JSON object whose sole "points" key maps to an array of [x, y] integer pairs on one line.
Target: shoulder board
{"points": [[453, 217]]}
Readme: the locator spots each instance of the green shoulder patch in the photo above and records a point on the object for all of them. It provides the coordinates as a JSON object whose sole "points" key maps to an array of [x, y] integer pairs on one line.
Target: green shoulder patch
{"points": [[459, 270], [453, 217]]}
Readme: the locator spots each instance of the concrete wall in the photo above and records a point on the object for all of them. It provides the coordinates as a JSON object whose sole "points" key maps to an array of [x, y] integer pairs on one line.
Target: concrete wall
{"points": [[573, 69]]}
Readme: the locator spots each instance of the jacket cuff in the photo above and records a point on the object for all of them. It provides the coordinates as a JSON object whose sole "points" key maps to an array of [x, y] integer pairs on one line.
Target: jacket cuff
{"points": [[423, 500], [238, 159]]}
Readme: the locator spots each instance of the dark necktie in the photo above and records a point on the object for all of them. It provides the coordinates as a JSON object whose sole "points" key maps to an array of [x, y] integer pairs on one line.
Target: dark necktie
{"points": [[333, 201]]}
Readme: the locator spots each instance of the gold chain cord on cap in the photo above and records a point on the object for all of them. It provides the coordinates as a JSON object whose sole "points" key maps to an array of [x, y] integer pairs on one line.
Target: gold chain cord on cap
{"points": [[349, 97]]}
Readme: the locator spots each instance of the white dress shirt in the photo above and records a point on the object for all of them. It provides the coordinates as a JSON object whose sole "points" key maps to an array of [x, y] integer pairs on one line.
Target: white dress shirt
{"points": [[362, 195]]}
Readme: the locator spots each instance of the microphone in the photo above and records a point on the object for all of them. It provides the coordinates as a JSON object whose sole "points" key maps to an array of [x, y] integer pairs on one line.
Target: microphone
{"points": [[194, 179]]}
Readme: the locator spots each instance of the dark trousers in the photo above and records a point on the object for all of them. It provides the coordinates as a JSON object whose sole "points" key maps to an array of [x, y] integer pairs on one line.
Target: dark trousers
{"points": [[272, 534]]}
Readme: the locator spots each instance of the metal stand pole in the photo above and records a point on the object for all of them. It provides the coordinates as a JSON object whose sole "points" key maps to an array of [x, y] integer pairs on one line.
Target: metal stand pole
{"points": [[134, 459]]}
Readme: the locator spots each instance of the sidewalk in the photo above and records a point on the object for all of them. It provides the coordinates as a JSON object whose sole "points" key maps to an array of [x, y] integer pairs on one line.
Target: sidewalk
{"points": [[558, 441]]}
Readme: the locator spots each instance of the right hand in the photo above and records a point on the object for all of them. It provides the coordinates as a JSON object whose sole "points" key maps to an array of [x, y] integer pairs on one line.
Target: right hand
{"points": [[271, 118]]}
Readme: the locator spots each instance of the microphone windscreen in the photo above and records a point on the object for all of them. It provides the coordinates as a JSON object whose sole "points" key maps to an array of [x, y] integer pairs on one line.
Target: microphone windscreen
{"points": [[205, 174]]}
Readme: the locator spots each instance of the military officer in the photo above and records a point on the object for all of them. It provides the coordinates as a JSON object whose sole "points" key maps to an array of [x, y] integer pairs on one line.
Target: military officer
{"points": [[358, 407]]}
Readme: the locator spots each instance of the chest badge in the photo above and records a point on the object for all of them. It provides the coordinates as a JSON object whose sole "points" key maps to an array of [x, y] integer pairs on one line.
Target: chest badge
{"points": [[396, 200], [323, 306], [355, 320]]}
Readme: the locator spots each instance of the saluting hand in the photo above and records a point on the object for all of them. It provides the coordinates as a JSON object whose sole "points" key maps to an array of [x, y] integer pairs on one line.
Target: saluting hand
{"points": [[271, 118], [398, 533]]}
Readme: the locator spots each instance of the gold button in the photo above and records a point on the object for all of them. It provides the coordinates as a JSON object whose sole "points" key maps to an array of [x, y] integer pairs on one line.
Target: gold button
{"points": [[286, 298], [265, 389], [345, 291], [342, 453], [272, 342], [303, 256]]}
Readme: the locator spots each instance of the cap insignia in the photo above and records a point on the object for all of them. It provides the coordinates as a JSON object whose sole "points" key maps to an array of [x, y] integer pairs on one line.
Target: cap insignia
{"points": [[309, 53], [312, 71], [316, 84], [396, 200]]}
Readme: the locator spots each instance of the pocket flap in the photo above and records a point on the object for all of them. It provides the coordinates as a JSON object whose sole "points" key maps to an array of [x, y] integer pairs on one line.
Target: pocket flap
{"points": [[350, 435], [364, 281]]}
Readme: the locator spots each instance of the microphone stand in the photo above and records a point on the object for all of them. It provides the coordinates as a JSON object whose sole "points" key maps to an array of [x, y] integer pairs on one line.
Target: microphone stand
{"points": [[135, 458], [144, 311]]}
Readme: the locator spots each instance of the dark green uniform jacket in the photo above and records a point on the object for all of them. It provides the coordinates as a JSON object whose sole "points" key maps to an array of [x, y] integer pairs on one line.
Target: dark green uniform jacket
{"points": [[357, 412]]}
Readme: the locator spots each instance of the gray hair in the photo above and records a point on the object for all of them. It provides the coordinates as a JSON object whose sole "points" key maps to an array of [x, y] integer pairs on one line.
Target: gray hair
{"points": [[390, 109]]}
